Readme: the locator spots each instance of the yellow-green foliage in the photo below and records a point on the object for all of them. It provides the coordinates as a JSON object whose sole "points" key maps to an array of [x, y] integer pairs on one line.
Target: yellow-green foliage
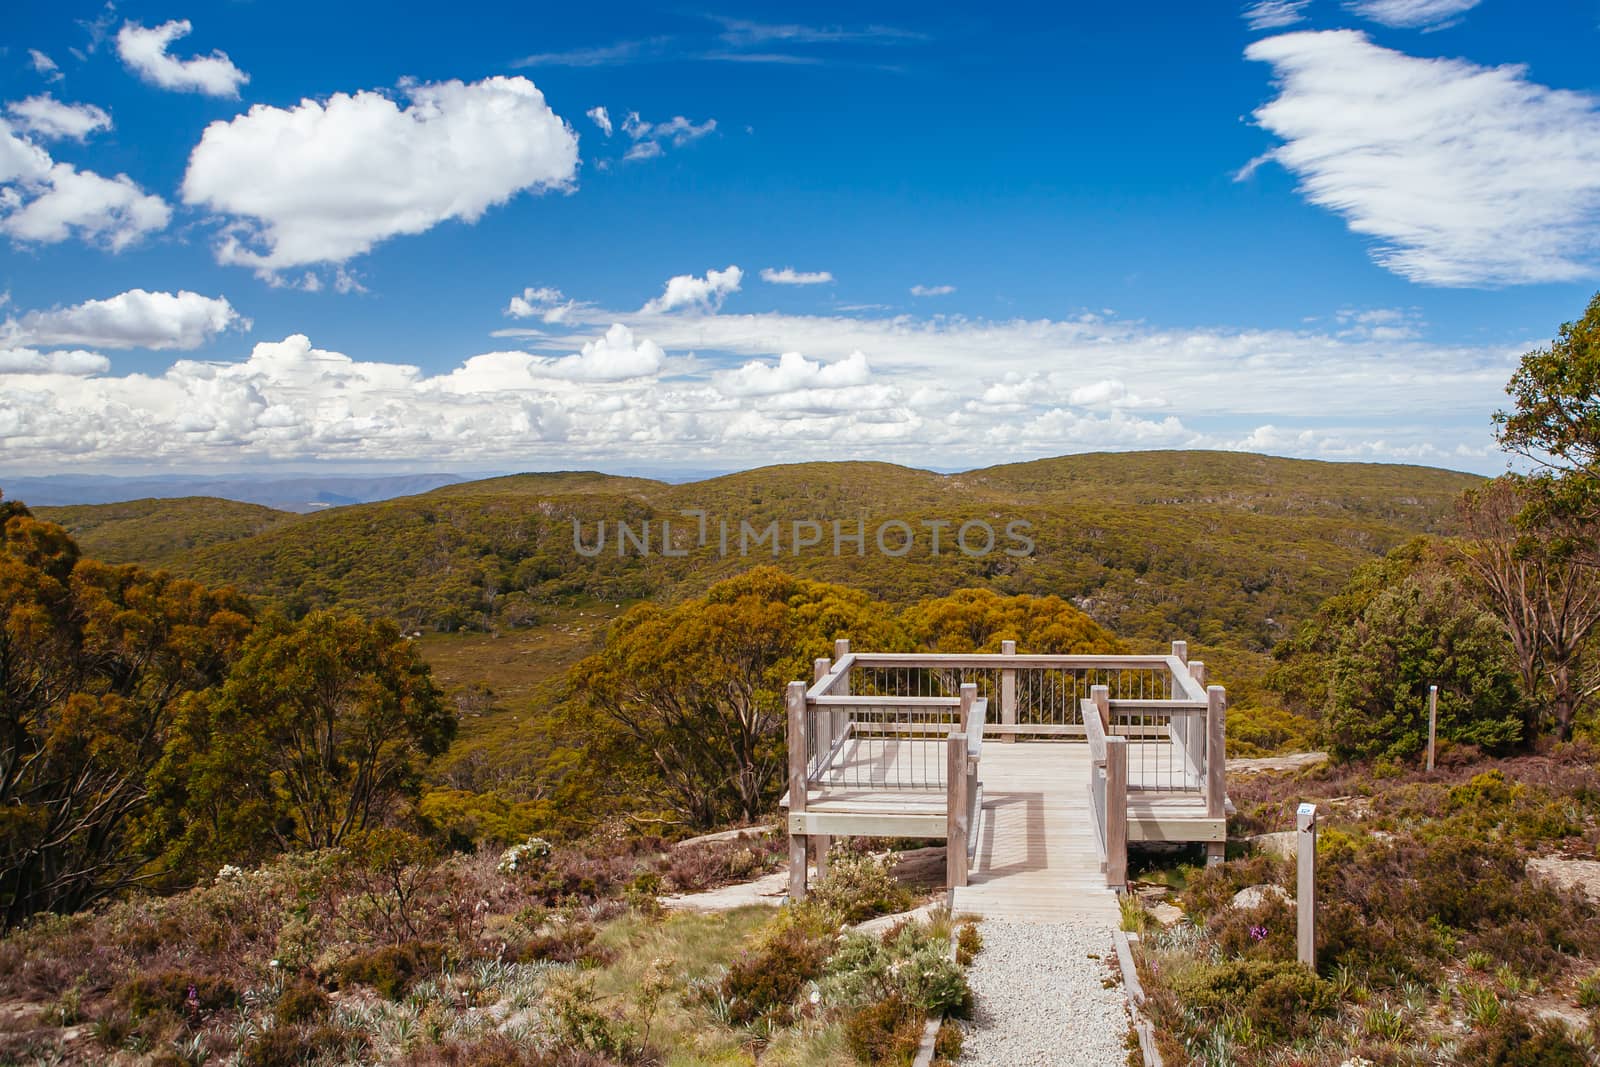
{"points": [[156, 532], [1218, 547]]}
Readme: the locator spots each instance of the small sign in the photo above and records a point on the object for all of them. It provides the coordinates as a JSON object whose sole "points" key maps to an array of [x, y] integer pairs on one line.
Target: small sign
{"points": [[1306, 809]]}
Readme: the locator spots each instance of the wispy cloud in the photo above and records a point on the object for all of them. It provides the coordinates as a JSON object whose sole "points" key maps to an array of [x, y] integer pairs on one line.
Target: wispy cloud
{"points": [[790, 276], [1413, 14], [747, 33], [1463, 175], [1275, 14], [608, 55], [932, 290], [651, 138], [44, 66]]}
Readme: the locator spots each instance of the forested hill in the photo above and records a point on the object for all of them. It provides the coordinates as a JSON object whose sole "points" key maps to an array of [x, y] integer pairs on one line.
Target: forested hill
{"points": [[155, 532], [1227, 548]]}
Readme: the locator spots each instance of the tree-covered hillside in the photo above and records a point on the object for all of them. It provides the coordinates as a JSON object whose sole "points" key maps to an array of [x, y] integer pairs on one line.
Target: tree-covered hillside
{"points": [[1223, 548], [153, 532]]}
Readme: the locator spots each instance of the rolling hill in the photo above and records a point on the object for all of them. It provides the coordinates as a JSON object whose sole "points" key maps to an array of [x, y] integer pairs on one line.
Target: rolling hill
{"points": [[1224, 548]]}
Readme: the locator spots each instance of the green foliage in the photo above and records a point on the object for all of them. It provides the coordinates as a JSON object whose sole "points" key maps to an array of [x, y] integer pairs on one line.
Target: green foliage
{"points": [[1516, 1041], [302, 1002], [979, 620], [859, 886], [321, 730], [96, 664], [179, 992], [1555, 393], [393, 969], [1424, 631], [766, 981], [693, 694], [155, 533]]}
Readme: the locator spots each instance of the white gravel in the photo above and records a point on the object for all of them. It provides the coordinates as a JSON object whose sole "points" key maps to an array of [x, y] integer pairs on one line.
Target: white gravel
{"points": [[1041, 998]]}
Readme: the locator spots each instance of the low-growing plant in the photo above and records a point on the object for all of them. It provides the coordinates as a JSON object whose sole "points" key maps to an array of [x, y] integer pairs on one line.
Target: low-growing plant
{"points": [[393, 969], [1513, 1040], [887, 1031], [859, 886], [767, 980], [1588, 995], [181, 992], [302, 1002]]}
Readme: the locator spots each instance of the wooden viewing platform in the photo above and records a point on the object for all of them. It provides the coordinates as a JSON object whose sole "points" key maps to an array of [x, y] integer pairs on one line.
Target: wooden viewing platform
{"points": [[1037, 771]]}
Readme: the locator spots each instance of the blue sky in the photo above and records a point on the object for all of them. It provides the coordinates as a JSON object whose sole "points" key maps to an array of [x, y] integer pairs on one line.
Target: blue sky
{"points": [[270, 236]]}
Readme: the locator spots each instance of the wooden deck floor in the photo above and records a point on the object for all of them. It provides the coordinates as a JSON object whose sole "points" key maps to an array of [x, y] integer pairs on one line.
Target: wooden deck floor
{"points": [[1036, 858]]}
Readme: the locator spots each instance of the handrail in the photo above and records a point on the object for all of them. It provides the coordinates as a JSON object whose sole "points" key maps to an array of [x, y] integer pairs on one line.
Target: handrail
{"points": [[996, 659]]}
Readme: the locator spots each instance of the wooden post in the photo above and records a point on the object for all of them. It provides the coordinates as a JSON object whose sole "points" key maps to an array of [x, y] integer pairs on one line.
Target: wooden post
{"points": [[1197, 670], [1180, 651], [820, 843], [1305, 843], [1216, 766], [1101, 695], [1117, 812], [969, 696], [1433, 720], [795, 698], [956, 816], [1008, 691]]}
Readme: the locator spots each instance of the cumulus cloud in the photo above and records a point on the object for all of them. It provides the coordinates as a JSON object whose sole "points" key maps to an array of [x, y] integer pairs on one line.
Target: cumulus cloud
{"points": [[613, 357], [44, 66], [1275, 14], [134, 319], [601, 118], [649, 139], [794, 372], [323, 182], [31, 361], [48, 117], [790, 276], [548, 304], [144, 51], [45, 202], [1463, 175], [705, 294], [932, 290], [1413, 14]]}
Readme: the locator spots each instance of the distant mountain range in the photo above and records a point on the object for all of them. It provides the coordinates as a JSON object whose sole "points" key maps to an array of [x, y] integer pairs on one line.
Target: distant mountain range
{"points": [[301, 493]]}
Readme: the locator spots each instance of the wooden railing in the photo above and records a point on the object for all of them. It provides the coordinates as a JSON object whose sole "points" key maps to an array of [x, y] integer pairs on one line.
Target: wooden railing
{"points": [[872, 722]]}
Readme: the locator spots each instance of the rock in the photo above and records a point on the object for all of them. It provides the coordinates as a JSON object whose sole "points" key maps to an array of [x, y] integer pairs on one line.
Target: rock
{"points": [[1253, 896], [1278, 844], [1294, 762], [1569, 874], [882, 922], [1166, 914]]}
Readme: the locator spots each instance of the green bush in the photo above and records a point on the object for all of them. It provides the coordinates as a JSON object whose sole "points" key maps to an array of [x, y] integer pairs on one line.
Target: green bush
{"points": [[292, 1046], [766, 981], [1515, 1041], [1425, 631], [301, 1002], [393, 969], [885, 1032], [180, 992], [1287, 1004], [859, 886]]}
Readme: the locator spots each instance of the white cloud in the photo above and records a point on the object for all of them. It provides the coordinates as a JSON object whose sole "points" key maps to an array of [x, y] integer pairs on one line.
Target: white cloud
{"points": [[706, 294], [650, 139], [48, 117], [932, 290], [601, 118], [45, 202], [546, 303], [134, 319], [1412, 14], [44, 66], [1275, 14], [144, 51], [794, 372], [1464, 175], [790, 276], [30, 361], [325, 182], [665, 387]]}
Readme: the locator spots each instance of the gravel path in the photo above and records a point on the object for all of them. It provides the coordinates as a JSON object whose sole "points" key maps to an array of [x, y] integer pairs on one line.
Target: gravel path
{"points": [[1040, 997]]}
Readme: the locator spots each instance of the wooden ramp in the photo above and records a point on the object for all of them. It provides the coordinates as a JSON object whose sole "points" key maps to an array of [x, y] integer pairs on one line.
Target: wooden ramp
{"points": [[1036, 858]]}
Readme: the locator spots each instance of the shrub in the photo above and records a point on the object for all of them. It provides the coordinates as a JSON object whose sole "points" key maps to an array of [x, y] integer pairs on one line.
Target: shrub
{"points": [[1514, 1041], [180, 992], [293, 1046], [860, 886], [768, 980], [969, 942], [1286, 1004], [885, 1032], [393, 969], [567, 942], [301, 1002]]}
